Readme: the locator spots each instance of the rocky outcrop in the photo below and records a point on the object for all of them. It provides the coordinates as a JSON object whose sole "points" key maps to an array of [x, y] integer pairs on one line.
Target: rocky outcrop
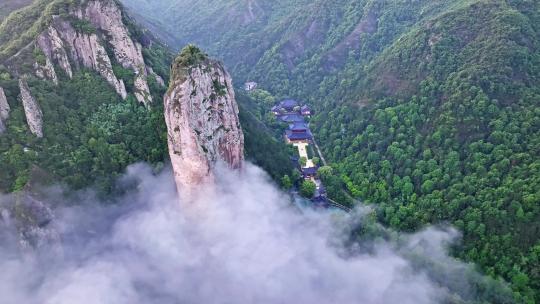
{"points": [[158, 78], [4, 111], [84, 49], [87, 49], [107, 16], [52, 46], [46, 71], [202, 121], [65, 46], [30, 223], [32, 110]]}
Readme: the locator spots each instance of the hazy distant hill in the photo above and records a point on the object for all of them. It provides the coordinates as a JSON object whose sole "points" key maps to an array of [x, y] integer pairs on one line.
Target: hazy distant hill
{"points": [[7, 6]]}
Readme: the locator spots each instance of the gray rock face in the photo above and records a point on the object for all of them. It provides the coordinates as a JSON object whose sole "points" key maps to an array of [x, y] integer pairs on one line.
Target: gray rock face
{"points": [[158, 78], [85, 49], [46, 71], [4, 111], [107, 16], [64, 46], [203, 125], [52, 46], [88, 50], [32, 110], [32, 222]]}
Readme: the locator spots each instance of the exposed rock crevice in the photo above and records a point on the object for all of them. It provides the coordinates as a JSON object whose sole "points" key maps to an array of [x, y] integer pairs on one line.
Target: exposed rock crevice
{"points": [[158, 78], [87, 49], [71, 48], [4, 111], [202, 120], [32, 110], [53, 47], [46, 71], [107, 16]]}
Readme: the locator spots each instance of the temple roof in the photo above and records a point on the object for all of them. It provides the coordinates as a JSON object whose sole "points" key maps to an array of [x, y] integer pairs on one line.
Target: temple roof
{"points": [[298, 126], [298, 136], [292, 118], [289, 103]]}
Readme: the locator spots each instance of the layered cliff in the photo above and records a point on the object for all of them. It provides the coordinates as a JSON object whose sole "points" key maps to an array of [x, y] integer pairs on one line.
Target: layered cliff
{"points": [[32, 110], [81, 34], [81, 74], [201, 114], [85, 49]]}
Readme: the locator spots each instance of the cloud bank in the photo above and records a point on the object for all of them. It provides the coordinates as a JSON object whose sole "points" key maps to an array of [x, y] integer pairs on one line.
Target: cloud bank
{"points": [[242, 242]]}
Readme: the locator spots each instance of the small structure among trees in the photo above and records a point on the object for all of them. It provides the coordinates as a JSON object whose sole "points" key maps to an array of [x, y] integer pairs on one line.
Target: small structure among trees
{"points": [[250, 86]]}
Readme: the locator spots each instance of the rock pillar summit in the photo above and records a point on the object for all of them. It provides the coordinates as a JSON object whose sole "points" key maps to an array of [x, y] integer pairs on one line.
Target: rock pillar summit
{"points": [[202, 121]]}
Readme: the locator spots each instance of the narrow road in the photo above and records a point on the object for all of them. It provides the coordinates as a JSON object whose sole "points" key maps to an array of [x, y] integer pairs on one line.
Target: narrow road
{"points": [[319, 151], [323, 160]]}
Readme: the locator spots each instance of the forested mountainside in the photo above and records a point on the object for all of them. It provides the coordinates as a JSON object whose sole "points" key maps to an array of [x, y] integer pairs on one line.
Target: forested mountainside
{"points": [[428, 109], [8, 6], [81, 96]]}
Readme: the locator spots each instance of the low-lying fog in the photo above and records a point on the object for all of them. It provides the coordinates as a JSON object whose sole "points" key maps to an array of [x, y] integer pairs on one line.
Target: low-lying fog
{"points": [[241, 242]]}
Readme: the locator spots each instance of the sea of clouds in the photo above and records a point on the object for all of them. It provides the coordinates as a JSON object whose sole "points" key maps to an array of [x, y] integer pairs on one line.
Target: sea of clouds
{"points": [[242, 241]]}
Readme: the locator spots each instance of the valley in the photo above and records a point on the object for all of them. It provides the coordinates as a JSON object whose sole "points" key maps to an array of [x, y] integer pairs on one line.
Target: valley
{"points": [[409, 115], [428, 109]]}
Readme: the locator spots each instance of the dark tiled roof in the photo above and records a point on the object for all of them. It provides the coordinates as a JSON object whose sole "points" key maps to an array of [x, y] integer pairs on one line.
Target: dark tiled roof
{"points": [[298, 126], [292, 118], [298, 136], [289, 103], [309, 171]]}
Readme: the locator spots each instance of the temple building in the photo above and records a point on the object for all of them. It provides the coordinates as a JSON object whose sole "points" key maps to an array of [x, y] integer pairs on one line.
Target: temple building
{"points": [[298, 132], [291, 106]]}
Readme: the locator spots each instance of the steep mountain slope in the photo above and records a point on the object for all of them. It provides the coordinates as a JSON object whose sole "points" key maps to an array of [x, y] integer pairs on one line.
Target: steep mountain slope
{"points": [[452, 134], [8, 6], [426, 108], [83, 87], [285, 43], [74, 74]]}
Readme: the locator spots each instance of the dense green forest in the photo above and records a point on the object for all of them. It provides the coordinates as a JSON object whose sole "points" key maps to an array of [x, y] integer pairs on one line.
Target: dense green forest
{"points": [[263, 146], [448, 130], [427, 109], [91, 134]]}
